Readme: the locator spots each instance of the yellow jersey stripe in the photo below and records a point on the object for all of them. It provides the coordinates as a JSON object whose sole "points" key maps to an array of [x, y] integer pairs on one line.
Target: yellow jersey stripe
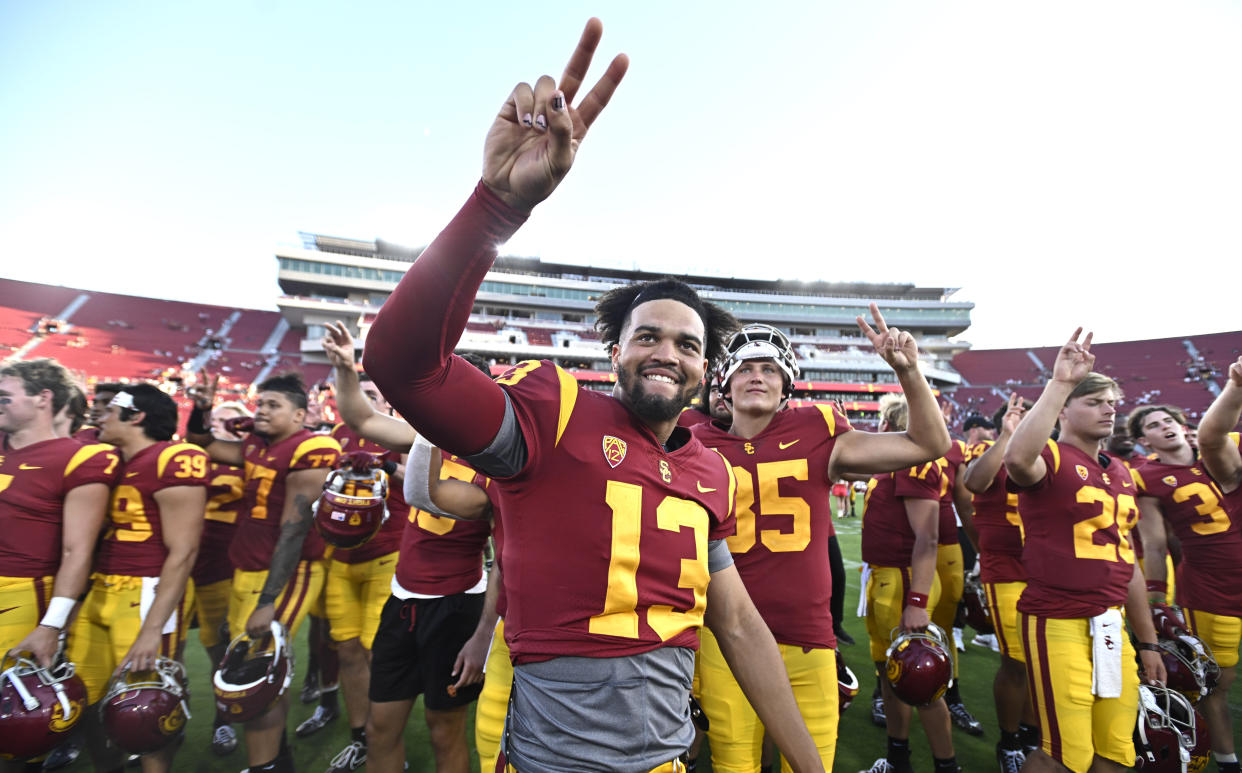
{"points": [[1056, 456], [830, 418], [317, 443], [569, 396], [84, 453], [168, 453]]}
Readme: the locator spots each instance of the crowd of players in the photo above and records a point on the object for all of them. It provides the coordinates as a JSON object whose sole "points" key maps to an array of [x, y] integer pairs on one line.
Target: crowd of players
{"points": [[660, 575]]}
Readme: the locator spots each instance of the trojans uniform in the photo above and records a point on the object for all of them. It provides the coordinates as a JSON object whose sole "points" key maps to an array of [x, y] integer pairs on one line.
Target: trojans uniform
{"points": [[949, 569], [34, 481], [1000, 556], [213, 571], [434, 606], [888, 547], [266, 467], [1210, 586], [784, 520], [359, 578], [128, 563], [1079, 563]]}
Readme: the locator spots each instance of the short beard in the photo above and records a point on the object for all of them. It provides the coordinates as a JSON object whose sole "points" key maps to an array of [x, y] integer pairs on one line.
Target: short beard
{"points": [[649, 407]]}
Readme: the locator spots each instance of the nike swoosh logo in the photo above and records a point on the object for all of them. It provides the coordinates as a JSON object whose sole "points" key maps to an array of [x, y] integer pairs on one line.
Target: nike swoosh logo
{"points": [[885, 584], [135, 603], [783, 446], [703, 489], [130, 474], [7, 609], [381, 563], [24, 466]]}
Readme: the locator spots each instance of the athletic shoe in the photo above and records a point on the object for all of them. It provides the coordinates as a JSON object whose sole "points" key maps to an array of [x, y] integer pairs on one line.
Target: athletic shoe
{"points": [[986, 640], [1010, 760], [963, 719], [310, 688], [223, 740], [317, 721], [957, 640], [881, 765], [351, 757], [62, 756], [878, 716]]}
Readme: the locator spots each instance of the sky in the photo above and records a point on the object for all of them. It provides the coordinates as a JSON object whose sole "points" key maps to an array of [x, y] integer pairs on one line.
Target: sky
{"points": [[1063, 163]]}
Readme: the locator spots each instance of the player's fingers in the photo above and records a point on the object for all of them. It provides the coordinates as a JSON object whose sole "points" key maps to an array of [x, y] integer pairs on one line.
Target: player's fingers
{"points": [[561, 130], [1086, 342], [1074, 338], [878, 317], [601, 94], [519, 105], [865, 328], [580, 60], [545, 87]]}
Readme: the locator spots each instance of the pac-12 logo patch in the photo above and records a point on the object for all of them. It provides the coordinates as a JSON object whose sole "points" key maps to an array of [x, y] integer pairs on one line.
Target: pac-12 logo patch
{"points": [[1082, 471], [614, 450], [1169, 480]]}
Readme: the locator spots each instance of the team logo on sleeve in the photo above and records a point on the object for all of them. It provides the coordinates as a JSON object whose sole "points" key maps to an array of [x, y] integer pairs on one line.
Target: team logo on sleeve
{"points": [[614, 450], [1082, 471], [1169, 480], [1195, 471]]}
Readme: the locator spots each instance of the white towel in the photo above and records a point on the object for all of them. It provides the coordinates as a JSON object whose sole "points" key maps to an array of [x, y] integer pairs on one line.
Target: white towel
{"points": [[862, 589], [149, 586], [1106, 631]]}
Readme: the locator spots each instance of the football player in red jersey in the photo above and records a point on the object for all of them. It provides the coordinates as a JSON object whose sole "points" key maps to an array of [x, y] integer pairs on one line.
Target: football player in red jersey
{"points": [[1214, 606], [136, 608], [278, 557], [610, 498], [1077, 507], [785, 460], [901, 518], [999, 527], [436, 581], [213, 571], [53, 501]]}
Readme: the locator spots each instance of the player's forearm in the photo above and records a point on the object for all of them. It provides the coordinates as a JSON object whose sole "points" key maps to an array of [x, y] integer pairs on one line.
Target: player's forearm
{"points": [[923, 564], [926, 428], [174, 576], [350, 401], [1138, 612], [74, 571], [288, 552], [981, 472], [1219, 455], [1032, 434], [409, 345], [487, 620]]}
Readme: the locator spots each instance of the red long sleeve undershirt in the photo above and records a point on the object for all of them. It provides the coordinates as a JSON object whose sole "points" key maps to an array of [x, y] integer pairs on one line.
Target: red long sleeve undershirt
{"points": [[409, 350]]}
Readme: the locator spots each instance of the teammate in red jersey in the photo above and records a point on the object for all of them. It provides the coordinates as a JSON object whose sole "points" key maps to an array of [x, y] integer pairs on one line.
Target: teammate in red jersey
{"points": [[1077, 507], [607, 552], [136, 608], [785, 460], [999, 526], [53, 500], [278, 558], [1211, 592], [438, 584], [213, 571], [901, 517]]}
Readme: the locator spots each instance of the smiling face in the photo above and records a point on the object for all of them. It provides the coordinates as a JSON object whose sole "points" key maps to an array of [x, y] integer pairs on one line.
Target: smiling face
{"points": [[659, 360], [1090, 416], [757, 387], [1162, 433], [276, 416]]}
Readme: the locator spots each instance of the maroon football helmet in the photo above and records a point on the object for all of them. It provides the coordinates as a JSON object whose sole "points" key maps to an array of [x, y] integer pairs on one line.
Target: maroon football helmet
{"points": [[1167, 735], [975, 601], [919, 667], [1168, 621], [38, 706], [847, 684], [144, 711], [1192, 670], [253, 674], [354, 503]]}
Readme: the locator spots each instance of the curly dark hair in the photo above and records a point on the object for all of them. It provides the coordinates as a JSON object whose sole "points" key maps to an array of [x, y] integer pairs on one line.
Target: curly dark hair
{"points": [[612, 311], [290, 385]]}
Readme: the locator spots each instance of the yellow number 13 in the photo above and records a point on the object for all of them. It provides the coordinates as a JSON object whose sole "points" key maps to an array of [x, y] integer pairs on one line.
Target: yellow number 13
{"points": [[620, 616]]}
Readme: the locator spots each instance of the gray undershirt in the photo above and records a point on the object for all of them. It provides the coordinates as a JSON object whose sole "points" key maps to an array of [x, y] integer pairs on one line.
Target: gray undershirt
{"points": [[572, 714]]}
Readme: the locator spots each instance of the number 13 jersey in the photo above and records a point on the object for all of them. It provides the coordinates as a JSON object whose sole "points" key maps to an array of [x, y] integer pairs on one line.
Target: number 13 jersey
{"points": [[606, 532]]}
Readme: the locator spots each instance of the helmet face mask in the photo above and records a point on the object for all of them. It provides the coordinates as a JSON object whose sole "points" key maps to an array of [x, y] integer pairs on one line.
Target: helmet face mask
{"points": [[978, 616], [1169, 736], [253, 674], [1192, 670], [144, 711], [847, 684], [919, 668], [759, 342], [38, 706], [354, 503]]}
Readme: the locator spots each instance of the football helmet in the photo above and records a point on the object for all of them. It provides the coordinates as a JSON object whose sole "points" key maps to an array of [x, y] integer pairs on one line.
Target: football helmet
{"points": [[1191, 668], [1168, 621], [756, 341], [1166, 736], [978, 616], [919, 668], [847, 684], [38, 706], [253, 674], [354, 503], [144, 711]]}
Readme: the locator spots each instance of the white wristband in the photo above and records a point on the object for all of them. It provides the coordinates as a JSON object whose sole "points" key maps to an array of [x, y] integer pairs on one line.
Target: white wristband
{"points": [[57, 614]]}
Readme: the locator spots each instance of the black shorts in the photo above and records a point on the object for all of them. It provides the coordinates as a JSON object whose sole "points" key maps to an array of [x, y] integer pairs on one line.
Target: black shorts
{"points": [[416, 646]]}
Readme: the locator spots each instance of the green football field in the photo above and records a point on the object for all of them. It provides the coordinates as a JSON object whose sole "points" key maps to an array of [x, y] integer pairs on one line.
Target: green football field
{"points": [[858, 745]]}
